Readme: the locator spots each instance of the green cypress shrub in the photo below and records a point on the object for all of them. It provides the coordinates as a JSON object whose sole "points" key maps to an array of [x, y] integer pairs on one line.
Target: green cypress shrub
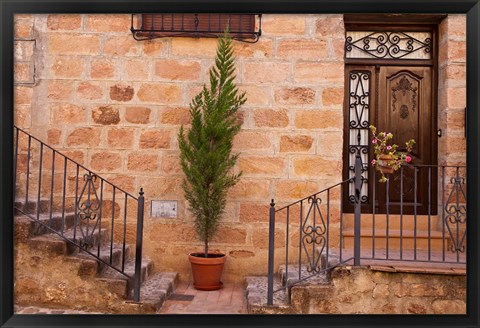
{"points": [[206, 149]]}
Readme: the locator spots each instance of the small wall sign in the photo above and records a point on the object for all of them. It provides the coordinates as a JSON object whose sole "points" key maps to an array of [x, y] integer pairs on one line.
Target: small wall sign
{"points": [[164, 209]]}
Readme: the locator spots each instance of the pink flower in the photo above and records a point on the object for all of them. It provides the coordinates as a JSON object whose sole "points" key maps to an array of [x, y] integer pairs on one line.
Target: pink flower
{"points": [[373, 162], [389, 147], [408, 159], [374, 141]]}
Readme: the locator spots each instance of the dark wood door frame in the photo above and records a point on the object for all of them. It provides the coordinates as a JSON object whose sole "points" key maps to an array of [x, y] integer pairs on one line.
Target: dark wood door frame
{"points": [[373, 66]]}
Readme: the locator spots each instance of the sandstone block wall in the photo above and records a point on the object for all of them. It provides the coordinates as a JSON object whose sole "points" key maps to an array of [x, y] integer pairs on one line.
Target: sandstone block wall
{"points": [[452, 90], [118, 104], [87, 88], [360, 290], [452, 102]]}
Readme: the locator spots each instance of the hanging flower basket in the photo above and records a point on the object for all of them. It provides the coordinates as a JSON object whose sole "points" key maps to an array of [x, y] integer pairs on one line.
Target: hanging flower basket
{"points": [[387, 159], [383, 164]]}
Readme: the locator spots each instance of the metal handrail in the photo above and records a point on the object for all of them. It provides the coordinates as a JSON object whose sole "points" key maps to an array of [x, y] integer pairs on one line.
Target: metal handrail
{"points": [[73, 161], [89, 204], [315, 228]]}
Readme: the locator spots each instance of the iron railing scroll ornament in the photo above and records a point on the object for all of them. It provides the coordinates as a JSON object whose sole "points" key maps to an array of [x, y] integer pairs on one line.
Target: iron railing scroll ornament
{"points": [[456, 214], [88, 210]]}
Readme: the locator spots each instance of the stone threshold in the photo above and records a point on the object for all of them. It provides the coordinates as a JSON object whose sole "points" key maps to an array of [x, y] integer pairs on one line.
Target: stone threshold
{"points": [[424, 270]]}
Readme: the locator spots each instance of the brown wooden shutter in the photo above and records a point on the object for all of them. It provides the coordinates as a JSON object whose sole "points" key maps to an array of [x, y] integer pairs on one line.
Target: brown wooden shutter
{"points": [[241, 26]]}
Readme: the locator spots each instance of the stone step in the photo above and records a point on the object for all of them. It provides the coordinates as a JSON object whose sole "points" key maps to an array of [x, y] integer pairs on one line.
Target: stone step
{"points": [[256, 295], [395, 221], [294, 273], [424, 240], [120, 284], [90, 266], [26, 227], [31, 207], [56, 245], [156, 289], [153, 294]]}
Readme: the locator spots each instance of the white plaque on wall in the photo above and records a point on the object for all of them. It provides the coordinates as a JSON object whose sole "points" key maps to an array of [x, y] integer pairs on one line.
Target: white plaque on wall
{"points": [[164, 208]]}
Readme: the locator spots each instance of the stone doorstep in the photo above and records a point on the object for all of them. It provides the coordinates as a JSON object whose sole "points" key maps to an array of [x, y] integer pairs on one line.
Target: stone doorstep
{"points": [[394, 233], [421, 238], [424, 270]]}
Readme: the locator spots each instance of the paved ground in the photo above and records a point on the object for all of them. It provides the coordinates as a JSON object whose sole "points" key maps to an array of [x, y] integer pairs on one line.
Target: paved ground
{"points": [[185, 300], [38, 310], [228, 300]]}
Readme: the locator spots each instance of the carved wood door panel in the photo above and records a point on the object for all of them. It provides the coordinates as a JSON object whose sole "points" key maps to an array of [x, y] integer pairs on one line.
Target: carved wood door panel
{"points": [[405, 109]]}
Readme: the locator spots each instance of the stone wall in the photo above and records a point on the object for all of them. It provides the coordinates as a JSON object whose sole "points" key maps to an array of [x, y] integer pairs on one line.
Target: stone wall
{"points": [[452, 82], [38, 282], [87, 88], [452, 90], [360, 290]]}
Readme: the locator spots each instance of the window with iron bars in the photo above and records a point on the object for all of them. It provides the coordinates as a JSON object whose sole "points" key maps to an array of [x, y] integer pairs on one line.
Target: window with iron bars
{"points": [[242, 27]]}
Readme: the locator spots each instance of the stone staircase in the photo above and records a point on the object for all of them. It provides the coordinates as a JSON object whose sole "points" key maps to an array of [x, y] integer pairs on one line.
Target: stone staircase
{"points": [[52, 272], [423, 233], [284, 301], [367, 289]]}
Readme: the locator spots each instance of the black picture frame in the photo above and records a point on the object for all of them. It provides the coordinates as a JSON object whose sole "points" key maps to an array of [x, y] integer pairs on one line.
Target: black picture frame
{"points": [[10, 7]]}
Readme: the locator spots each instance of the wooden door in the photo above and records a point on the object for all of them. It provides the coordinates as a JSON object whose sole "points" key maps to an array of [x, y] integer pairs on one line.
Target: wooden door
{"points": [[405, 108], [400, 100]]}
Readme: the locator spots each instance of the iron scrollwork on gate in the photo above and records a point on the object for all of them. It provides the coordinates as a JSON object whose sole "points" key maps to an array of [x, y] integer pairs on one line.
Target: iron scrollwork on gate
{"points": [[359, 106], [88, 210], [456, 214], [314, 230]]}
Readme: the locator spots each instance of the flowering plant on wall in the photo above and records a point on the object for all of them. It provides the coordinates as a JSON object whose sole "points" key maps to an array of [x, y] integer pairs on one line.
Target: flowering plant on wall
{"points": [[386, 157]]}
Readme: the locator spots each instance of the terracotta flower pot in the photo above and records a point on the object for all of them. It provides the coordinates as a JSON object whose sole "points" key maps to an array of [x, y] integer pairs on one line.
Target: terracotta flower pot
{"points": [[207, 271], [383, 164]]}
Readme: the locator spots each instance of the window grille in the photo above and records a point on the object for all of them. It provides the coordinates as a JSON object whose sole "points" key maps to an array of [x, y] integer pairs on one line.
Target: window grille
{"points": [[242, 27], [358, 129]]}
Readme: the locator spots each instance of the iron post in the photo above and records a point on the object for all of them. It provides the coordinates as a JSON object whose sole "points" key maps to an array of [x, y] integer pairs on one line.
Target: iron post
{"points": [[357, 210], [139, 244], [271, 242]]}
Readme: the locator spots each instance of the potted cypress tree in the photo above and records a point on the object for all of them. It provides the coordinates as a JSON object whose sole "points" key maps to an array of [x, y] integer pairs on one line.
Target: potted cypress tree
{"points": [[206, 159]]}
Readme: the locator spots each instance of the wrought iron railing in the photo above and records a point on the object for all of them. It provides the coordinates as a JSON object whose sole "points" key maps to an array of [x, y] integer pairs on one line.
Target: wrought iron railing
{"points": [[319, 236], [310, 241], [92, 214]]}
